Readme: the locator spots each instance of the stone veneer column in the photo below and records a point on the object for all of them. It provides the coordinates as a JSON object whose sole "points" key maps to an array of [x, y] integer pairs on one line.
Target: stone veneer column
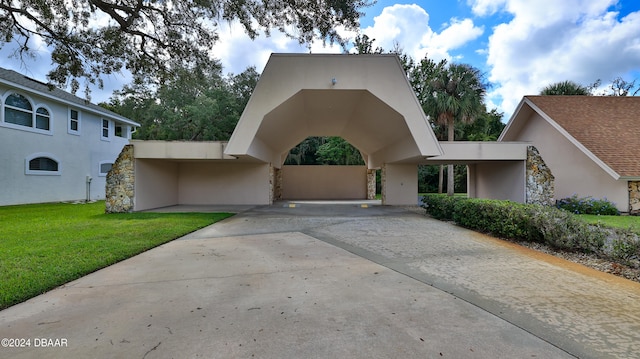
{"points": [[119, 196], [540, 181], [634, 198], [383, 183], [275, 184], [371, 184]]}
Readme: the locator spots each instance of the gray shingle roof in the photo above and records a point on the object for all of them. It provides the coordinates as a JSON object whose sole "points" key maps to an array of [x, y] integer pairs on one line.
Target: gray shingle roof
{"points": [[14, 78]]}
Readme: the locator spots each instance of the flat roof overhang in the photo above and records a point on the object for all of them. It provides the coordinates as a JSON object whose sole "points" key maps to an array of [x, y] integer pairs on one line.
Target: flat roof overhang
{"points": [[468, 152]]}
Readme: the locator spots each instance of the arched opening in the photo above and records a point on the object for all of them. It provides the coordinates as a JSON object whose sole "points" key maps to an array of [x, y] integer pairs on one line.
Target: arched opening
{"points": [[325, 168]]}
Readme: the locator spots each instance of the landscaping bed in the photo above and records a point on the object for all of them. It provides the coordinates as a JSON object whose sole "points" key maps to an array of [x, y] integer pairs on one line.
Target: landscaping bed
{"points": [[589, 240]]}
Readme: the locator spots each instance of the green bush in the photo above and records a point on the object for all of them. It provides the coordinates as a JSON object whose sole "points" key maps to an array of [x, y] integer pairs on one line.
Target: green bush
{"points": [[501, 218], [588, 205], [555, 227], [440, 206]]}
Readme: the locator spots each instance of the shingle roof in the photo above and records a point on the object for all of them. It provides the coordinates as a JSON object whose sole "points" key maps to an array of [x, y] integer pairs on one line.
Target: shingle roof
{"points": [[10, 76], [608, 126]]}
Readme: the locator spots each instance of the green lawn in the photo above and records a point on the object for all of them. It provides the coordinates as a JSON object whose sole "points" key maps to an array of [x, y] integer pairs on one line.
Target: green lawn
{"points": [[632, 222], [43, 246]]}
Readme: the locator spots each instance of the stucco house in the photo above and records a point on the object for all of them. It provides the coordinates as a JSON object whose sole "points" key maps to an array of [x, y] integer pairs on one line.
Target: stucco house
{"points": [[590, 143], [54, 146]]}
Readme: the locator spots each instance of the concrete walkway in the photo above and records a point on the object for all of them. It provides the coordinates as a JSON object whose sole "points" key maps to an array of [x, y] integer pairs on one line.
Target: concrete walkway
{"points": [[343, 281]]}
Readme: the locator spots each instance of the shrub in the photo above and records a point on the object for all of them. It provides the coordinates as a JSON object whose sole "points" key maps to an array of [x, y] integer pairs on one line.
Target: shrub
{"points": [[561, 229], [440, 206], [623, 245], [555, 227], [501, 218], [588, 205]]}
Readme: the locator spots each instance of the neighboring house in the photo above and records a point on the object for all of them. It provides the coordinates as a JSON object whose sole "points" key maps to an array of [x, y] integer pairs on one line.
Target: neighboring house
{"points": [[590, 143], [54, 146]]}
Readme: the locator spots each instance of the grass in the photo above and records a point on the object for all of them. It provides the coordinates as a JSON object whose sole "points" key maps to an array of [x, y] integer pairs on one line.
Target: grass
{"points": [[43, 246], [626, 222]]}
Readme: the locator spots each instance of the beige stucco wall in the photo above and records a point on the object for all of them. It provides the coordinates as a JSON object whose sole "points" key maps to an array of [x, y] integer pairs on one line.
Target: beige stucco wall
{"points": [[324, 182], [161, 183], [574, 171], [223, 183], [370, 104], [156, 184], [400, 184], [504, 180]]}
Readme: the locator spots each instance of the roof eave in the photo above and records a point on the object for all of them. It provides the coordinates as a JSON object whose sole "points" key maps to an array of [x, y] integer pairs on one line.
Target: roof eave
{"points": [[52, 97]]}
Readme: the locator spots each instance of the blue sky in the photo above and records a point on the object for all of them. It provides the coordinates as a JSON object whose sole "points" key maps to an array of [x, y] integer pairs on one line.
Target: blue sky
{"points": [[521, 45]]}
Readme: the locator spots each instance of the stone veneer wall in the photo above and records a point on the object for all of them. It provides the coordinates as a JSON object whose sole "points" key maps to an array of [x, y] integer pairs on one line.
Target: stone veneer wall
{"points": [[540, 181], [634, 198], [275, 183], [383, 183], [119, 194], [371, 184]]}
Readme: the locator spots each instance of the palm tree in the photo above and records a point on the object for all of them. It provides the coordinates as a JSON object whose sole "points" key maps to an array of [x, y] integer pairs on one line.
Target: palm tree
{"points": [[565, 88], [454, 93]]}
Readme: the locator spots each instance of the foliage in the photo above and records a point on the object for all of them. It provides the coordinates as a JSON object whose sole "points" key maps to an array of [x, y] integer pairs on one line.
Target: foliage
{"points": [[90, 38], [553, 226], [195, 105], [337, 151], [487, 127], [448, 93], [587, 205], [617, 87], [72, 240], [324, 150], [565, 88]]}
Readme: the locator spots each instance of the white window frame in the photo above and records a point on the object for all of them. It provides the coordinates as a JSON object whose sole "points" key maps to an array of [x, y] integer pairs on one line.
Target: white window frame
{"points": [[79, 119], [34, 108], [104, 174], [102, 128], [27, 171]]}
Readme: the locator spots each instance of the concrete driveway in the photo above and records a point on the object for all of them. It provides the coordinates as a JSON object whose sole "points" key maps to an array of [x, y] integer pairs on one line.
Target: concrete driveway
{"points": [[332, 281]]}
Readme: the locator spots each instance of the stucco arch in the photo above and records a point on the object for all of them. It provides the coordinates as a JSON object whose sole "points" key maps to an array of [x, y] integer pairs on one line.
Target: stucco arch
{"points": [[365, 99]]}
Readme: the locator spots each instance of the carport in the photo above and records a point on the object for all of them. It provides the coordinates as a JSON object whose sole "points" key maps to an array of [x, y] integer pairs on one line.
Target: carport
{"points": [[365, 99]]}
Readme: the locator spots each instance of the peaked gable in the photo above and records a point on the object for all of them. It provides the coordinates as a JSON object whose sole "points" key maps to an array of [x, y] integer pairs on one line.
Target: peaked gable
{"points": [[606, 126]]}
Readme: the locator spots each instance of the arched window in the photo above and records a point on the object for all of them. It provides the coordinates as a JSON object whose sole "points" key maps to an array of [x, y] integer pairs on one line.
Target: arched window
{"points": [[42, 164], [42, 118], [18, 110], [18, 113]]}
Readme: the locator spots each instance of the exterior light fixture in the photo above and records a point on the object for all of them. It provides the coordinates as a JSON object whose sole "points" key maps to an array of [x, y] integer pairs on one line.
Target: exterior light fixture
{"points": [[334, 81]]}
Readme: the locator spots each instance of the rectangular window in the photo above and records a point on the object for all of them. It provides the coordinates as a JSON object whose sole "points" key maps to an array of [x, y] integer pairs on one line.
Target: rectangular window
{"points": [[42, 119], [105, 129], [120, 132], [74, 122], [105, 167], [17, 117]]}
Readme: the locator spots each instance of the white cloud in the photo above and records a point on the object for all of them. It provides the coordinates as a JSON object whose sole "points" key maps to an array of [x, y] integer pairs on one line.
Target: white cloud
{"points": [[408, 26], [578, 40], [237, 50]]}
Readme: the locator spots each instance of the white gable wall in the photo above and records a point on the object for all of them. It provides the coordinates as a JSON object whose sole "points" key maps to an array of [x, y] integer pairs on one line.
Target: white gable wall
{"points": [[574, 172], [79, 155]]}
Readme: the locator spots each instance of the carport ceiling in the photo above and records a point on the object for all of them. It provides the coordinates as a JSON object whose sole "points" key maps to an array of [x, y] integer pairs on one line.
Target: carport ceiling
{"points": [[358, 116]]}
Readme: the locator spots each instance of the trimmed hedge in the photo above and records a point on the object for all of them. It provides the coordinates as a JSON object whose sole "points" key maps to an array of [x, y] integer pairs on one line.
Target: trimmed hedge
{"points": [[555, 227]]}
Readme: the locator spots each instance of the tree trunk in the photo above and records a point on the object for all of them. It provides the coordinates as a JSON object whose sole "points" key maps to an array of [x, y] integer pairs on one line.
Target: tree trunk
{"points": [[450, 175]]}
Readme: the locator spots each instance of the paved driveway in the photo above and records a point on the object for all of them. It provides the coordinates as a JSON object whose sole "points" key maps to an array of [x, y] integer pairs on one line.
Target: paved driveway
{"points": [[339, 281]]}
